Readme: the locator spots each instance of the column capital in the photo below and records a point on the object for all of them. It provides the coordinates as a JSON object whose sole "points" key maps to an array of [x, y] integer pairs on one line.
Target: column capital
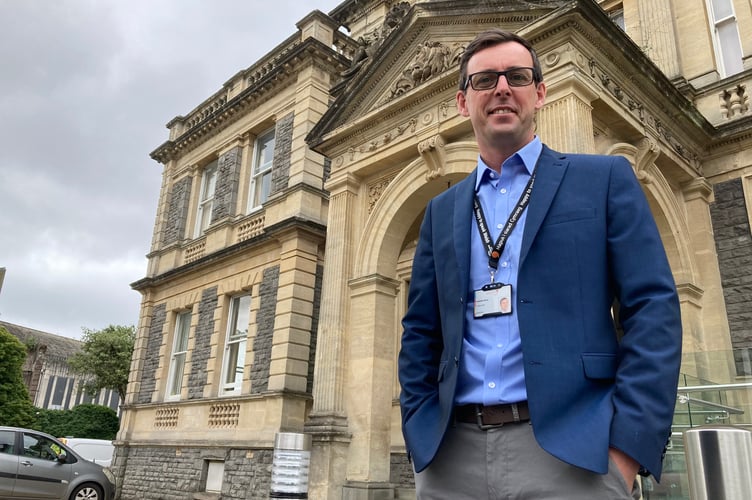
{"points": [[698, 188], [343, 182]]}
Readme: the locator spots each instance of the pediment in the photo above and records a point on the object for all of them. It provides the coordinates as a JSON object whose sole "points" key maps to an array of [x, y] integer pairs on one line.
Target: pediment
{"points": [[416, 46]]}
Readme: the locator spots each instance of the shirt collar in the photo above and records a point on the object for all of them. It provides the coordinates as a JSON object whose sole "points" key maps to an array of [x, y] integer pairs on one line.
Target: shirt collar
{"points": [[528, 155]]}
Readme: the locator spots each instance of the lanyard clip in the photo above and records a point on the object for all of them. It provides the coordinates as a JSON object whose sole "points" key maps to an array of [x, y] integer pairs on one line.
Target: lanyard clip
{"points": [[493, 274]]}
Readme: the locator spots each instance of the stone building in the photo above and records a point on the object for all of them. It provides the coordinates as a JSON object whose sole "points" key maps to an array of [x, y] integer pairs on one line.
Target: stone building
{"points": [[291, 201], [47, 375]]}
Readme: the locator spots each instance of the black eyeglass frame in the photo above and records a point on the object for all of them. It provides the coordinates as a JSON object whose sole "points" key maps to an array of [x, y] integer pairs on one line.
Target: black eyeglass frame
{"points": [[499, 74]]}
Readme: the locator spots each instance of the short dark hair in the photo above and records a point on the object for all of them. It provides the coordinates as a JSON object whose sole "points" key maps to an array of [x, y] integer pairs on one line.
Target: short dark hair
{"points": [[493, 37]]}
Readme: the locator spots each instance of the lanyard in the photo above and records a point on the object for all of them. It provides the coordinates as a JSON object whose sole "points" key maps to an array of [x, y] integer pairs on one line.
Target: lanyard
{"points": [[494, 250]]}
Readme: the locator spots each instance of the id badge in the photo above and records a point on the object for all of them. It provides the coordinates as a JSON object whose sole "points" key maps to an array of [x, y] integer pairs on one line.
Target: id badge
{"points": [[494, 299]]}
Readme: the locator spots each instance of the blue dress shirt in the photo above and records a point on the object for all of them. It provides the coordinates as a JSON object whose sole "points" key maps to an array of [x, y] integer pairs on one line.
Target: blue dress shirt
{"points": [[491, 365]]}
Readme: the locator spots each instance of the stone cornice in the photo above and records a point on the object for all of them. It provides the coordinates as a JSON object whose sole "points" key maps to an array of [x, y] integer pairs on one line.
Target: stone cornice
{"points": [[230, 251], [260, 85]]}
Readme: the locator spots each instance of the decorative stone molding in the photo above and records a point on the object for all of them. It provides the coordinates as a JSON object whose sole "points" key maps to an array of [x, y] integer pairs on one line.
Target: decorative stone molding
{"points": [[432, 152], [166, 417], [698, 188], [375, 144], [205, 111], [251, 228], [224, 415], [734, 102], [691, 293], [195, 251], [376, 189], [641, 113]]}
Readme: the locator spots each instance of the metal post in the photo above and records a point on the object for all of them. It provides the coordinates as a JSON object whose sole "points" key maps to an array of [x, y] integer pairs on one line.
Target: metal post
{"points": [[719, 462], [291, 464]]}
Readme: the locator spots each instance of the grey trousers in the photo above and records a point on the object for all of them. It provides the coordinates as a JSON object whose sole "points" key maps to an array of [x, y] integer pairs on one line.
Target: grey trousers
{"points": [[507, 463]]}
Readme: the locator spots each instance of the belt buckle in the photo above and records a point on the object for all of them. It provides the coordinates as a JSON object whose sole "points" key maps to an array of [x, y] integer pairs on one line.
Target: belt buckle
{"points": [[481, 425]]}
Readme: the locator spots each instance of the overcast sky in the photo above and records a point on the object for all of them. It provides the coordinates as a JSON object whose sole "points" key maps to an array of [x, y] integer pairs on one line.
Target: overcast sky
{"points": [[86, 88]]}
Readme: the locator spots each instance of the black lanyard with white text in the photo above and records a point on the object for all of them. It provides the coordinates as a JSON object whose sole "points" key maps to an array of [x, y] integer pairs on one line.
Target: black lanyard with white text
{"points": [[495, 250]]}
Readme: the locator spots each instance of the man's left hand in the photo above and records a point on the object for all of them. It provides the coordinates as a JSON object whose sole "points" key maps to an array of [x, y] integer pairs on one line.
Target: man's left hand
{"points": [[627, 465]]}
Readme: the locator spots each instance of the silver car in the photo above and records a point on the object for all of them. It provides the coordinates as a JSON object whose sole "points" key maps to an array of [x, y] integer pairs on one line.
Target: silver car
{"points": [[35, 465]]}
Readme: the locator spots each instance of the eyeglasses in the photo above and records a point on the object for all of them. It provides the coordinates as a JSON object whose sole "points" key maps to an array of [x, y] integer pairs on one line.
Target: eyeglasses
{"points": [[485, 80]]}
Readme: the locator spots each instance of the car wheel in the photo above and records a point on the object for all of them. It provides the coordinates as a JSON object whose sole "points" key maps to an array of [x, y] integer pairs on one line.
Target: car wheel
{"points": [[88, 491]]}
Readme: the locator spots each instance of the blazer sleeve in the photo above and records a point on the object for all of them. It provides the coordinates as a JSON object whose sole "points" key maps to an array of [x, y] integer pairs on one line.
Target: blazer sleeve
{"points": [[649, 313]]}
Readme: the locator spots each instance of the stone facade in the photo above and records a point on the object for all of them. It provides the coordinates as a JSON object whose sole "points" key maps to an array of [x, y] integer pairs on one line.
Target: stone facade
{"points": [[366, 133], [178, 212], [169, 473], [733, 240], [201, 351]]}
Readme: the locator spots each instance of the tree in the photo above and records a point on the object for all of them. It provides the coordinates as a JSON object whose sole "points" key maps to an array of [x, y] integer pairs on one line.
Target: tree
{"points": [[16, 408], [105, 358]]}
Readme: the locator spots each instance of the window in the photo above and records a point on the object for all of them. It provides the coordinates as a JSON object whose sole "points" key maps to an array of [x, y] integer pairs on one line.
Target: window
{"points": [[7, 442], [179, 350], [617, 16], [206, 200], [237, 334], [261, 180], [215, 471], [36, 446], [728, 45]]}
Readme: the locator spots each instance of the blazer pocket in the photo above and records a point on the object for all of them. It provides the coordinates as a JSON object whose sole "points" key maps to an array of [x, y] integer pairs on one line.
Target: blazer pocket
{"points": [[570, 216], [599, 365]]}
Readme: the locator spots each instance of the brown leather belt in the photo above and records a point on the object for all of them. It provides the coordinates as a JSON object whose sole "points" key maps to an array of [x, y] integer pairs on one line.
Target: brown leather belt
{"points": [[492, 416]]}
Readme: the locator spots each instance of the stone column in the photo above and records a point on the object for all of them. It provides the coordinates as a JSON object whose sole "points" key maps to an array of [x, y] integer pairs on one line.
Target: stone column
{"points": [[565, 122], [371, 371], [707, 340], [327, 422]]}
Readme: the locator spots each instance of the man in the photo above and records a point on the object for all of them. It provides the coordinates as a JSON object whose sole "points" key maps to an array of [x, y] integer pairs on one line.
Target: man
{"points": [[546, 401]]}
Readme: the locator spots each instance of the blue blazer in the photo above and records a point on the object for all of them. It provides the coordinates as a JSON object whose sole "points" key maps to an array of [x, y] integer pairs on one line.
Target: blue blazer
{"points": [[589, 239]]}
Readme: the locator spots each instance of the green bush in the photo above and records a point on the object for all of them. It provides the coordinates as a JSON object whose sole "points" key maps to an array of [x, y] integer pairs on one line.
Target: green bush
{"points": [[82, 421]]}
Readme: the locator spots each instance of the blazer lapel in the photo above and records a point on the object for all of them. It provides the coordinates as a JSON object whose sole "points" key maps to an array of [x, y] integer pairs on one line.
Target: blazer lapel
{"points": [[463, 216], [549, 173]]}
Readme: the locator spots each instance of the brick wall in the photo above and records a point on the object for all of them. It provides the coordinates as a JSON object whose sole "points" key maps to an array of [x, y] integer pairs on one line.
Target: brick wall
{"points": [[151, 360], [202, 348]]}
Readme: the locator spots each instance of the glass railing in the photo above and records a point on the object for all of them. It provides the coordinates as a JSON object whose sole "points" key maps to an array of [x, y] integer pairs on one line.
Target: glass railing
{"points": [[715, 388]]}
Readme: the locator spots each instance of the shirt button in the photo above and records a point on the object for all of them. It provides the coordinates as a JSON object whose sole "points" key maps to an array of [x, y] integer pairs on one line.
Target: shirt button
{"points": [[504, 264], [503, 191], [499, 346], [499, 226], [491, 385]]}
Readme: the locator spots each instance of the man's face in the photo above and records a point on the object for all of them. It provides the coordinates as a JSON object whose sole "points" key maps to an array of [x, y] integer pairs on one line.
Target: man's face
{"points": [[503, 117]]}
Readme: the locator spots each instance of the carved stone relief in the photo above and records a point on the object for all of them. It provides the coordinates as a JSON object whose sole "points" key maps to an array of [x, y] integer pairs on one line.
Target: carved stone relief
{"points": [[432, 152], [376, 189], [369, 43], [431, 58]]}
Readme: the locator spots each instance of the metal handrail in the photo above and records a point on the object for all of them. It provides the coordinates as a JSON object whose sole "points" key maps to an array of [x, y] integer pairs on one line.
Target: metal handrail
{"points": [[730, 409], [716, 387]]}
